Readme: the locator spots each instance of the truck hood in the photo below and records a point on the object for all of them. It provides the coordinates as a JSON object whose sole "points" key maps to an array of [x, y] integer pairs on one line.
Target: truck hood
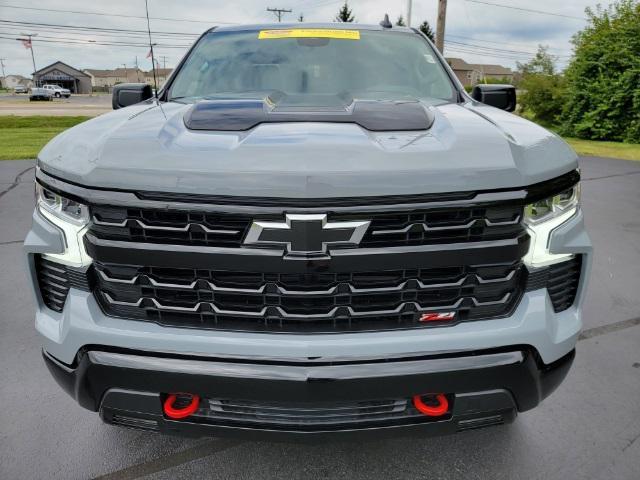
{"points": [[147, 147]]}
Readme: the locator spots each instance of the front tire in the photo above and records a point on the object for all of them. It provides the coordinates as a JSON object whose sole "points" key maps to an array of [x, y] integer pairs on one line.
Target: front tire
{"points": [[57, 94]]}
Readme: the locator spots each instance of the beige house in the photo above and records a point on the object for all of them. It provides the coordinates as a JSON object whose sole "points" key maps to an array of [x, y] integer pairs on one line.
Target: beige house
{"points": [[471, 74], [12, 81], [109, 78], [161, 76]]}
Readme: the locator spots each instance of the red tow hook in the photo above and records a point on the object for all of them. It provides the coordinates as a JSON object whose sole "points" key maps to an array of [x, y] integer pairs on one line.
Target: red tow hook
{"points": [[432, 410], [183, 411]]}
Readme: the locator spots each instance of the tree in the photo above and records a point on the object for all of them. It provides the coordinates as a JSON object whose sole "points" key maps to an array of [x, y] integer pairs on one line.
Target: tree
{"points": [[543, 63], [603, 78], [543, 90], [345, 14], [543, 97], [400, 22], [426, 29]]}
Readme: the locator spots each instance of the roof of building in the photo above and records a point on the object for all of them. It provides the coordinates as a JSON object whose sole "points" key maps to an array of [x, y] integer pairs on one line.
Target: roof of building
{"points": [[486, 69], [458, 64], [160, 71], [59, 64], [117, 72], [489, 69]]}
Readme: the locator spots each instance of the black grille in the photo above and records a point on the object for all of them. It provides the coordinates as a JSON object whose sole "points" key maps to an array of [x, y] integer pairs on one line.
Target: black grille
{"points": [[561, 281], [176, 227], [423, 227], [322, 302], [387, 229], [310, 416], [55, 279]]}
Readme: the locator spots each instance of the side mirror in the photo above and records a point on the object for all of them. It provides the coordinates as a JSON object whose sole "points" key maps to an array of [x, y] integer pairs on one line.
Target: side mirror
{"points": [[496, 95], [125, 94]]}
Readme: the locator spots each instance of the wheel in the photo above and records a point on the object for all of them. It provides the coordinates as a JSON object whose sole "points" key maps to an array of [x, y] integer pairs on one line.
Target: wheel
{"points": [[57, 94]]}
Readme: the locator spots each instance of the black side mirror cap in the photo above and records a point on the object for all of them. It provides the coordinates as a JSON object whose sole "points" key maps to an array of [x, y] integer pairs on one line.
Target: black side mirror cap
{"points": [[125, 94], [496, 95]]}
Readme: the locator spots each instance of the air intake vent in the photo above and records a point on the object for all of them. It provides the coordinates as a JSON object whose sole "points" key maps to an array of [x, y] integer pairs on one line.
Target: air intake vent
{"points": [[55, 279], [561, 281]]}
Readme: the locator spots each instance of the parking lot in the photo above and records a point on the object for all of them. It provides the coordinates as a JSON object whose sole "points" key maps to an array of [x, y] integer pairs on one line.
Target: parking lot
{"points": [[589, 428], [89, 105]]}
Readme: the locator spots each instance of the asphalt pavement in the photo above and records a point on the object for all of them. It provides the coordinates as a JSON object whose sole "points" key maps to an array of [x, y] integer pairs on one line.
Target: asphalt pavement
{"points": [[589, 428], [89, 105]]}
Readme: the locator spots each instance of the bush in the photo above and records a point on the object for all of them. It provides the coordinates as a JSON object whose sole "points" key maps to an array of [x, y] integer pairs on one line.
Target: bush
{"points": [[543, 97], [603, 79]]}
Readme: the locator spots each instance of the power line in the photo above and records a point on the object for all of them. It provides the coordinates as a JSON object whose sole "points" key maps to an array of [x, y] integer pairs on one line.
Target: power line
{"points": [[100, 29], [87, 12], [45, 31], [530, 10], [493, 49], [510, 43], [88, 42], [114, 38]]}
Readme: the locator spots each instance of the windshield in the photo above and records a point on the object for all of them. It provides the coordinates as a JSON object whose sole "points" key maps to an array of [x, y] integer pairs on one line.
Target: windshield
{"points": [[313, 70]]}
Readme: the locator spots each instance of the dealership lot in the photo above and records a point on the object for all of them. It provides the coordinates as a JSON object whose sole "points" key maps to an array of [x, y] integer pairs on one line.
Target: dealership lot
{"points": [[589, 428]]}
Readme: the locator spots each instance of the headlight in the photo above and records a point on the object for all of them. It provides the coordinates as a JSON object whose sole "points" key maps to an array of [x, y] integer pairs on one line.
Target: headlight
{"points": [[72, 218], [551, 207], [544, 216], [62, 207]]}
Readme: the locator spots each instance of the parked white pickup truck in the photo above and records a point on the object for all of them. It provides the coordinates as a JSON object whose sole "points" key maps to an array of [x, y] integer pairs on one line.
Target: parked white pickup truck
{"points": [[57, 91]]}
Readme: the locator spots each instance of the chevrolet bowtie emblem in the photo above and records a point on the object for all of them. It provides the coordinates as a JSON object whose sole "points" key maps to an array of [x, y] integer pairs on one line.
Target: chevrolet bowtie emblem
{"points": [[303, 234]]}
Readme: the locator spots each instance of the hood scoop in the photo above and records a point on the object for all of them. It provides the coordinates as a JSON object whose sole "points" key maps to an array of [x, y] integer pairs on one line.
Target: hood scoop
{"points": [[244, 114]]}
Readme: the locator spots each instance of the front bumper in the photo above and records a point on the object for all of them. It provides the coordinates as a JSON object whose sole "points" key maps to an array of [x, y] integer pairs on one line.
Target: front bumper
{"points": [[485, 388]]}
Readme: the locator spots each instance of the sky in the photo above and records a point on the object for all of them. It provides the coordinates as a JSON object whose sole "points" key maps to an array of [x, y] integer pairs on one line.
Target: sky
{"points": [[476, 31]]}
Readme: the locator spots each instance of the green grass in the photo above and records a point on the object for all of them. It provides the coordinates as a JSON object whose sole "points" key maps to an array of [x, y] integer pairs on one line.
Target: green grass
{"points": [[594, 148], [24, 137]]}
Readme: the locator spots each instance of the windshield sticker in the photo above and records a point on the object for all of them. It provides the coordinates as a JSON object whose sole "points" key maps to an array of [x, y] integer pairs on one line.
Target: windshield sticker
{"points": [[310, 33]]}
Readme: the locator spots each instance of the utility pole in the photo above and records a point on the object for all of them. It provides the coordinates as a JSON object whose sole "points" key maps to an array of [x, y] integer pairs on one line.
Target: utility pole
{"points": [[442, 17], [278, 12], [409, 2], [126, 76], [33, 58], [2, 64], [164, 61], [137, 70]]}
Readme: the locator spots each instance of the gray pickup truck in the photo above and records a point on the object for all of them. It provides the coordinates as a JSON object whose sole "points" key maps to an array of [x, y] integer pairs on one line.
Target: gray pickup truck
{"points": [[311, 231]]}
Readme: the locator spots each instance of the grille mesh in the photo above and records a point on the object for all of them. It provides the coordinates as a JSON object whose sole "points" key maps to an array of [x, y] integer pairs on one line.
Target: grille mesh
{"points": [[310, 416], [253, 301], [388, 229]]}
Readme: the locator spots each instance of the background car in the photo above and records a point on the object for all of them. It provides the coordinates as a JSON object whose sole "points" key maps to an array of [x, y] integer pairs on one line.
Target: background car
{"points": [[57, 91]]}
